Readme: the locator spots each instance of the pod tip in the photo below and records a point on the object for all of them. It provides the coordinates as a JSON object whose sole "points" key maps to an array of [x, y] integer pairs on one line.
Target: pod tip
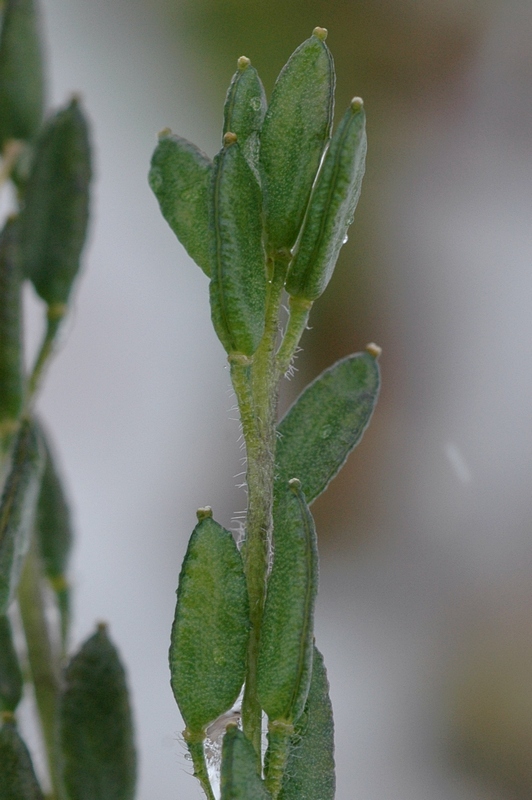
{"points": [[357, 103], [294, 483], [229, 138], [243, 62], [373, 349], [320, 33], [101, 626], [204, 513], [164, 133]]}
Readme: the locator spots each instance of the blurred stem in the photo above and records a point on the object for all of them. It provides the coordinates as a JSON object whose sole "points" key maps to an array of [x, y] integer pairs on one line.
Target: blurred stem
{"points": [[54, 319], [11, 152], [43, 662], [256, 387]]}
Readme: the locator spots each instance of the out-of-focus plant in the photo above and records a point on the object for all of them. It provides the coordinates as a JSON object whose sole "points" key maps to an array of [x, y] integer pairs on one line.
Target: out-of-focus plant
{"points": [[82, 705], [265, 220]]}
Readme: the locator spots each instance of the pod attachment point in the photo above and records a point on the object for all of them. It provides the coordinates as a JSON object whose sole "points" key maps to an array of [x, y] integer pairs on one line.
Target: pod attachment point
{"points": [[204, 513], [243, 62], [373, 349], [320, 33], [229, 138]]}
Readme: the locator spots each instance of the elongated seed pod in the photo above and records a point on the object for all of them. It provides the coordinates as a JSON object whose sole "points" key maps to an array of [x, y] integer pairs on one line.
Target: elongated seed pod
{"points": [[238, 283], [96, 729], [180, 177], [55, 215], [17, 510], [21, 72], [331, 208], [238, 778], [244, 110], [285, 648], [11, 681], [310, 769], [296, 130], [17, 776], [53, 531], [326, 422], [211, 626], [11, 368]]}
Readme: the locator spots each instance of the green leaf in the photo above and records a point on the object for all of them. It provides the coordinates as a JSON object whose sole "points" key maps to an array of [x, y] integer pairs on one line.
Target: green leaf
{"points": [[96, 727], [332, 207], [296, 130], [53, 531], [17, 509], [55, 216], [285, 647], [211, 626], [21, 72], [11, 366], [11, 681], [310, 769], [238, 283], [326, 422], [17, 776], [180, 177], [244, 110], [239, 779]]}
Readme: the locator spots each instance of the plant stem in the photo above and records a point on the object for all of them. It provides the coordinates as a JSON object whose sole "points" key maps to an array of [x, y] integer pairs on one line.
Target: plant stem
{"points": [[256, 390], [197, 753], [43, 663], [297, 322], [54, 318]]}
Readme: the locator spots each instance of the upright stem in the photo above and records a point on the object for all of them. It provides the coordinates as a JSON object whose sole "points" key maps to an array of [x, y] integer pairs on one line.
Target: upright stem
{"points": [[54, 320], [256, 390], [43, 662]]}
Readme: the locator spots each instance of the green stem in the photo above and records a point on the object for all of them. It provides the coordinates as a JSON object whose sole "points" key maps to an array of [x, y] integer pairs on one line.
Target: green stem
{"points": [[43, 662], [54, 318], [279, 740], [256, 390], [297, 322], [197, 754]]}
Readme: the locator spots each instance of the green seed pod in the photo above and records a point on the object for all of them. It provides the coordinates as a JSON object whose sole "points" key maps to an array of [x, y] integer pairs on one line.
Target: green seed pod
{"points": [[326, 422], [238, 283], [55, 215], [11, 367], [11, 681], [180, 177], [310, 769], [331, 208], [238, 778], [53, 530], [17, 776], [17, 510], [96, 729], [211, 626], [21, 72], [285, 648], [244, 110], [296, 130]]}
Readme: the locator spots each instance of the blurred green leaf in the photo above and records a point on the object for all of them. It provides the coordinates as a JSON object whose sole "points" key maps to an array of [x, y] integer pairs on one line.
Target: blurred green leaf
{"points": [[11, 681], [17, 776]]}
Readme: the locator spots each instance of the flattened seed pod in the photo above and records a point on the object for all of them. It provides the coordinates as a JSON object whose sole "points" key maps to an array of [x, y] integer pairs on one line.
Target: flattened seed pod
{"points": [[331, 208], [326, 422], [53, 531], [96, 728], [238, 778], [17, 509], [238, 283], [295, 132], [17, 776], [11, 369], [211, 627], [21, 72], [287, 626], [310, 769], [11, 681], [56, 211], [180, 177], [244, 110]]}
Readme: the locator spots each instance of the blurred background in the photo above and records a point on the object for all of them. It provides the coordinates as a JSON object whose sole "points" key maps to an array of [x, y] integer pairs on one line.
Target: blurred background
{"points": [[425, 606]]}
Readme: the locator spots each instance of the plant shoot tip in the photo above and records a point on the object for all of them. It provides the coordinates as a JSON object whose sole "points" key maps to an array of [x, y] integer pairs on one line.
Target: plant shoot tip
{"points": [[243, 62], [230, 138], [204, 513], [294, 483], [357, 103], [320, 33], [164, 133], [373, 349], [102, 626]]}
